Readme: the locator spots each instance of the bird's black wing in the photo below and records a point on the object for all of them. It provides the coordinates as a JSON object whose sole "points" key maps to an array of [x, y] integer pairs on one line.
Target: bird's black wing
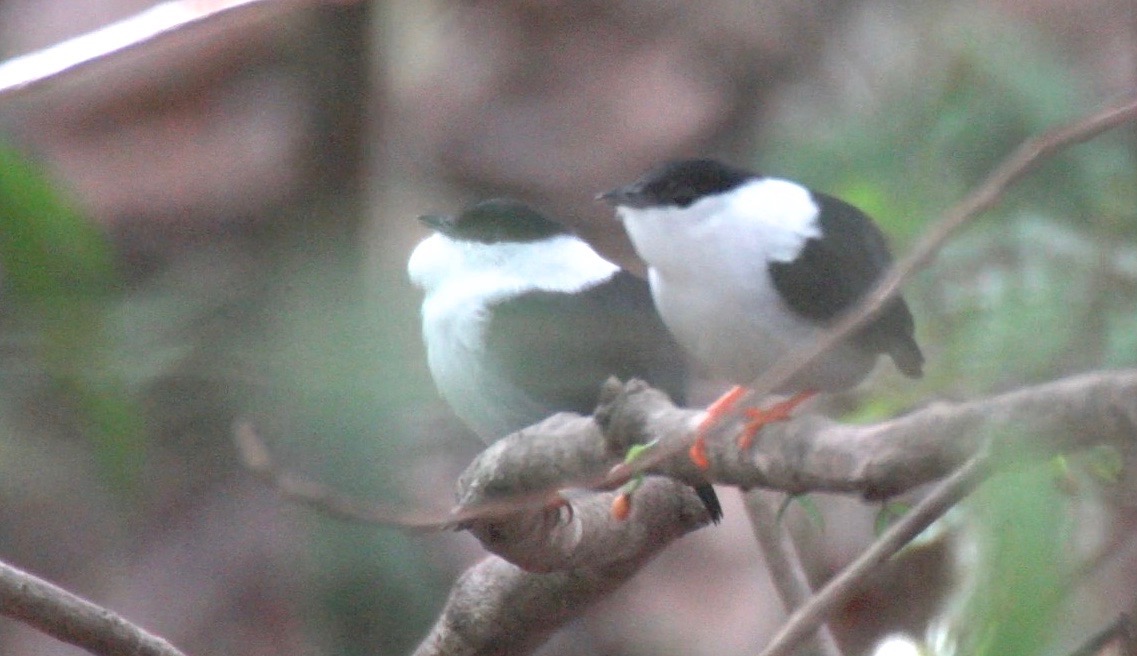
{"points": [[835, 271], [560, 348]]}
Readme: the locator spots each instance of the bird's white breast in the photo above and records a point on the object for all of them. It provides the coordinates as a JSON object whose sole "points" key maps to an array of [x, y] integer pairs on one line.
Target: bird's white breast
{"points": [[462, 280], [709, 273]]}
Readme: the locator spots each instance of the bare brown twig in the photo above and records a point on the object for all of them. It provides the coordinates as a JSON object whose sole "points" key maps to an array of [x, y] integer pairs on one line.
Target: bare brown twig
{"points": [[1021, 162], [784, 564], [257, 459], [72, 619], [812, 614]]}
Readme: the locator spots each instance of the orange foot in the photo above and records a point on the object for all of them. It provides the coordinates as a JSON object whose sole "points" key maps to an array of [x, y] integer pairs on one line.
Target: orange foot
{"points": [[756, 419], [622, 506], [759, 417], [715, 412], [558, 507]]}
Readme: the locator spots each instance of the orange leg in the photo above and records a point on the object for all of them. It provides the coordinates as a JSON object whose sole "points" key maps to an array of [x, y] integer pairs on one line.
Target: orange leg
{"points": [[555, 505], [756, 419], [759, 417], [715, 412]]}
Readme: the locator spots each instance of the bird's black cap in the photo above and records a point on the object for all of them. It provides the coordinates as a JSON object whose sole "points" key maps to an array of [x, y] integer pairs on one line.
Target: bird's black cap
{"points": [[495, 221], [679, 184]]}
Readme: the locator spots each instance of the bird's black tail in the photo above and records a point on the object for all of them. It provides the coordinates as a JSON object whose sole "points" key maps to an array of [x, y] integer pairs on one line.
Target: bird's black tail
{"points": [[710, 501], [907, 356]]}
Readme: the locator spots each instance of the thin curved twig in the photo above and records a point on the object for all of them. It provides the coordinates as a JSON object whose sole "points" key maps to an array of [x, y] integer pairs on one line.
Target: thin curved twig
{"points": [[256, 457], [1022, 161], [811, 616], [783, 562]]}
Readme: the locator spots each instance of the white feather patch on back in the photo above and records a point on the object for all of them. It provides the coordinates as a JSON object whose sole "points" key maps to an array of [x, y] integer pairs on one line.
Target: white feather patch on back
{"points": [[783, 211], [462, 280]]}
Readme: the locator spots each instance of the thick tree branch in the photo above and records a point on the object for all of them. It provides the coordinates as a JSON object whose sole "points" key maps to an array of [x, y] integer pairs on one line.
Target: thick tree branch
{"points": [[504, 496], [806, 454], [813, 454], [566, 450], [498, 608], [74, 620]]}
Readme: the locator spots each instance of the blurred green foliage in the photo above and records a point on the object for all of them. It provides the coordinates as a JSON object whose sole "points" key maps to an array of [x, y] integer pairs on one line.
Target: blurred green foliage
{"points": [[300, 341], [338, 383], [1022, 531], [151, 370], [58, 274], [1043, 285]]}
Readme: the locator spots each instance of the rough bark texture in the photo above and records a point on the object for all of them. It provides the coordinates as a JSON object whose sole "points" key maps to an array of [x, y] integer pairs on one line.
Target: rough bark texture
{"points": [[499, 608]]}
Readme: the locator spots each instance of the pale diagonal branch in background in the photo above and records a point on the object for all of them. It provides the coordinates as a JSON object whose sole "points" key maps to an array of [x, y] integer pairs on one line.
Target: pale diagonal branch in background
{"points": [[75, 56], [72, 619]]}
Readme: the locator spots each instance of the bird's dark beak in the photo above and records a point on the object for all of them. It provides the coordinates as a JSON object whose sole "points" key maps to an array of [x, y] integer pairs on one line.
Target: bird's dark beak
{"points": [[437, 222], [612, 197]]}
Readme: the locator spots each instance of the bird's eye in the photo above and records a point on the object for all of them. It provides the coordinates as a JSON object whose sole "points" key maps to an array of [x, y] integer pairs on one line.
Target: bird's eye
{"points": [[682, 195]]}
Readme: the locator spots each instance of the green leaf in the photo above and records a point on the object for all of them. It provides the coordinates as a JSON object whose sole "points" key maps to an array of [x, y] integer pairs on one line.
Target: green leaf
{"points": [[1022, 533], [1106, 463], [807, 504], [889, 513], [59, 271], [47, 249]]}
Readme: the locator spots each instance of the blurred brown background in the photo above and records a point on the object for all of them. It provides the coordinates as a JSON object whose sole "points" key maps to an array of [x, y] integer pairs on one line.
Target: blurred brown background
{"points": [[259, 177]]}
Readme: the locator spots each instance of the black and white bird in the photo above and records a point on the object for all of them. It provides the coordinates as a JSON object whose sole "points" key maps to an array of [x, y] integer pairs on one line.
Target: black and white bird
{"points": [[746, 268], [523, 319]]}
